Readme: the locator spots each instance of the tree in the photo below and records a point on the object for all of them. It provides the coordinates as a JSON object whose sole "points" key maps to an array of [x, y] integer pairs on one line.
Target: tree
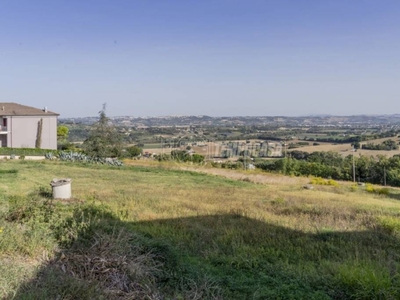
{"points": [[104, 140], [62, 132], [38, 143], [356, 145], [133, 151], [62, 136]]}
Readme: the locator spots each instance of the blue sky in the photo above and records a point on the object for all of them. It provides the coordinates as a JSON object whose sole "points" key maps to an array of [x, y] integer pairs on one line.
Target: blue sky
{"points": [[192, 57]]}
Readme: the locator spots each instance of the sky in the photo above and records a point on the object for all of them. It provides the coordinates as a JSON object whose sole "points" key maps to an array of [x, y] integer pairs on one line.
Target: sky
{"points": [[201, 57]]}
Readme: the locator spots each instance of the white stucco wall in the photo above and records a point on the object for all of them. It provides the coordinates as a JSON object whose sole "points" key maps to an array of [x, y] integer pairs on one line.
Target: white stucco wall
{"points": [[23, 132]]}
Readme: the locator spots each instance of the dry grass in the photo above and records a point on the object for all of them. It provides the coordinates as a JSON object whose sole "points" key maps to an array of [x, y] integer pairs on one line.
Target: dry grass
{"points": [[16, 270], [255, 176], [117, 263], [345, 149], [149, 195], [225, 223]]}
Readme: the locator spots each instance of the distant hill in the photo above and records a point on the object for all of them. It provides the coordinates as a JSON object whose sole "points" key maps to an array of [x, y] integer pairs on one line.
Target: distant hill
{"points": [[313, 120]]}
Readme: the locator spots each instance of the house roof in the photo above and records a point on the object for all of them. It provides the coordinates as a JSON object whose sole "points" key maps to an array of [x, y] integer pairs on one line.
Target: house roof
{"points": [[15, 109]]}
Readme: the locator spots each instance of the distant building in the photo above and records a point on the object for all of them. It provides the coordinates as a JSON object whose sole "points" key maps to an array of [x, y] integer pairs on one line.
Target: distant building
{"points": [[26, 127]]}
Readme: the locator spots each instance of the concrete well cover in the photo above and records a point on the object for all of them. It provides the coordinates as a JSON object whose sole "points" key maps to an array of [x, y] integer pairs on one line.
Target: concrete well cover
{"points": [[59, 182]]}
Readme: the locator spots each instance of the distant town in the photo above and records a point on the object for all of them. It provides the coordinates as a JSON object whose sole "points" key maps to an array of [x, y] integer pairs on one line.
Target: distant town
{"points": [[307, 121]]}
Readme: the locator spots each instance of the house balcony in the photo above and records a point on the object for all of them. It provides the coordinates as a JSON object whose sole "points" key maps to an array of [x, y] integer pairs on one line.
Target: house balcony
{"points": [[3, 130]]}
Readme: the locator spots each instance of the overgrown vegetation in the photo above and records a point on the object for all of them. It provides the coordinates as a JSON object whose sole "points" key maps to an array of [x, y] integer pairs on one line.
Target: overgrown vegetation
{"points": [[132, 233]]}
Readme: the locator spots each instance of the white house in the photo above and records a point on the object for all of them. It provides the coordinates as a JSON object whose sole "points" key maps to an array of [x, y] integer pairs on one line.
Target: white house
{"points": [[23, 126]]}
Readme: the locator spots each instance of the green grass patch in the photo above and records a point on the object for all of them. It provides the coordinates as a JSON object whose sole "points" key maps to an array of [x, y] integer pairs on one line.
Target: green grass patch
{"points": [[24, 151], [12, 171], [366, 280], [153, 146], [389, 224]]}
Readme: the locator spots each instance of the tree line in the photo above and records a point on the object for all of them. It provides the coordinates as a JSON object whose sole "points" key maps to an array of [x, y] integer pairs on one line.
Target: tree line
{"points": [[386, 145], [376, 170]]}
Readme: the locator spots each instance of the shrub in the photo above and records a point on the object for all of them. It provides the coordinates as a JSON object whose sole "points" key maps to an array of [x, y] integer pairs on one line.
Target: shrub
{"points": [[321, 181], [133, 151], [369, 188], [232, 165], [197, 158], [66, 146], [333, 182], [380, 191]]}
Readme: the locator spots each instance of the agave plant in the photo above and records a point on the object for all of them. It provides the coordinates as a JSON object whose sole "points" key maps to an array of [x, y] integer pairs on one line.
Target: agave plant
{"points": [[81, 157], [50, 155]]}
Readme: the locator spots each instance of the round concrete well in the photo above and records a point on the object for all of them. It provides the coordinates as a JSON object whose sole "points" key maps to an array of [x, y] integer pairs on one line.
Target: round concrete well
{"points": [[61, 188]]}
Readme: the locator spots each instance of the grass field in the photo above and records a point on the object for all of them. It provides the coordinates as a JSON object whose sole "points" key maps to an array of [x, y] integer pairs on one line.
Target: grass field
{"points": [[170, 231]]}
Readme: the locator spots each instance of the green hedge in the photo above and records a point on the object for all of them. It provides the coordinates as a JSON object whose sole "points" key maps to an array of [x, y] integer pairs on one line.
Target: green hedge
{"points": [[25, 151]]}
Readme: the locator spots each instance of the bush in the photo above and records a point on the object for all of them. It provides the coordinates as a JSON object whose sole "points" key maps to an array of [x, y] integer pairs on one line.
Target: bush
{"points": [[66, 146], [181, 156], [197, 158], [369, 188], [133, 151], [321, 181], [380, 191], [232, 165], [163, 157]]}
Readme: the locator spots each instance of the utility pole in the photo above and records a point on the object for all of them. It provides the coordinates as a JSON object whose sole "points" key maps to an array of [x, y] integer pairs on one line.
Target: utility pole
{"points": [[384, 175]]}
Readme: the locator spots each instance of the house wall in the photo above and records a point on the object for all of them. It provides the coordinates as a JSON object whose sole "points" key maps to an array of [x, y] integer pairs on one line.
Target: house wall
{"points": [[23, 131]]}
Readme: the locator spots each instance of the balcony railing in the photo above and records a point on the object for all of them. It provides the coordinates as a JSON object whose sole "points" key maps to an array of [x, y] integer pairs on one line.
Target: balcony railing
{"points": [[3, 128]]}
